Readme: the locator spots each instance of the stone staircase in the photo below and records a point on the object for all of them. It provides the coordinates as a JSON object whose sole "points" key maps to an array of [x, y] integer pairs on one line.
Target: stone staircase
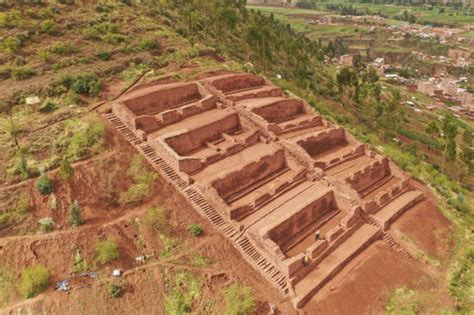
{"points": [[389, 240], [122, 129], [204, 208]]}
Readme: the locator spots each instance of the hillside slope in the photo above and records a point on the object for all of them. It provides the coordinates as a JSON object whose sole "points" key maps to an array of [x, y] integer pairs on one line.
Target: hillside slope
{"points": [[75, 58]]}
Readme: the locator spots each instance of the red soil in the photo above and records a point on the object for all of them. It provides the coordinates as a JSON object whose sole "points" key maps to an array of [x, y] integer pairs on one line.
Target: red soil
{"points": [[363, 286], [427, 227]]}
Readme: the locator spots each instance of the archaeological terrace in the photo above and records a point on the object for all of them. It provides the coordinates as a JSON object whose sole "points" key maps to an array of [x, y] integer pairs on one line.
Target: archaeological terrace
{"points": [[268, 172]]}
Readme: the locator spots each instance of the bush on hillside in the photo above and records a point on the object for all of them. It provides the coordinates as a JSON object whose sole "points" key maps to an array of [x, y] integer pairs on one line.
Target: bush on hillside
{"points": [[107, 251], [239, 300], [49, 27], [83, 83], [34, 280], [196, 230], [44, 185]]}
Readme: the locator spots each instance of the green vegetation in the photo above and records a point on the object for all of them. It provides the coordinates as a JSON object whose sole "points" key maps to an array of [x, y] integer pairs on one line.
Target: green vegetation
{"points": [[156, 218], [48, 107], [115, 290], [200, 261], [143, 180], [103, 55], [66, 171], [83, 139], [149, 44], [402, 301], [183, 290], [461, 282], [239, 300], [11, 45], [195, 230], [61, 48], [107, 251], [83, 83], [46, 224], [34, 280], [76, 217], [170, 243], [16, 212], [49, 27], [22, 73], [7, 284], [44, 184], [80, 264]]}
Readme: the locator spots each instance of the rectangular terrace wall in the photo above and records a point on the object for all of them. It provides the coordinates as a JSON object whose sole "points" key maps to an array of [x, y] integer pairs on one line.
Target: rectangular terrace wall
{"points": [[369, 175], [162, 98], [281, 110], [193, 139], [323, 141], [237, 82], [294, 228], [250, 174]]}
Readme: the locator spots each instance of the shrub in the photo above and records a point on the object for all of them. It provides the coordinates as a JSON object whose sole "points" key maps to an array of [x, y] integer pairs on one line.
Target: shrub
{"points": [[79, 263], [76, 217], [83, 83], [49, 27], [87, 139], [142, 178], [66, 171], [115, 290], [16, 213], [113, 38], [195, 230], [149, 44], [44, 185], [107, 251], [91, 33], [156, 218], [239, 300], [34, 280], [48, 107], [72, 98], [46, 224], [11, 45], [103, 55], [22, 73], [61, 48], [461, 280], [134, 194]]}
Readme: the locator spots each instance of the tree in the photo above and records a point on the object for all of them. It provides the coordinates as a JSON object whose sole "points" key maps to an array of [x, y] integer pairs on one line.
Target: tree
{"points": [[450, 131], [66, 171], [44, 185], [76, 218], [433, 130]]}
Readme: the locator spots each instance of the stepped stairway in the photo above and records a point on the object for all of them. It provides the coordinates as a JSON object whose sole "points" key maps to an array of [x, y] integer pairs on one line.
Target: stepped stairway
{"points": [[122, 129], [253, 256], [390, 241], [204, 208]]}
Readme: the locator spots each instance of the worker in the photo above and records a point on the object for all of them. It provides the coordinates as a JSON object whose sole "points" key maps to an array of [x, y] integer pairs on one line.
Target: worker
{"points": [[317, 237], [305, 259], [273, 308]]}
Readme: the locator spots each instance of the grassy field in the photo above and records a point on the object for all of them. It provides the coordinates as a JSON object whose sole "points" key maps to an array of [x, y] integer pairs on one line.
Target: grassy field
{"points": [[450, 16]]}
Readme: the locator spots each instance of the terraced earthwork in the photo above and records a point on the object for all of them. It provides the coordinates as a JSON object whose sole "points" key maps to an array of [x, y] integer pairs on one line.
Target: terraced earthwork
{"points": [[298, 196]]}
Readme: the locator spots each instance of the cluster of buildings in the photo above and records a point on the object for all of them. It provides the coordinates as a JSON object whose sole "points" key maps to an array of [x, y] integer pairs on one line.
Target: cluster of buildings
{"points": [[447, 90]]}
